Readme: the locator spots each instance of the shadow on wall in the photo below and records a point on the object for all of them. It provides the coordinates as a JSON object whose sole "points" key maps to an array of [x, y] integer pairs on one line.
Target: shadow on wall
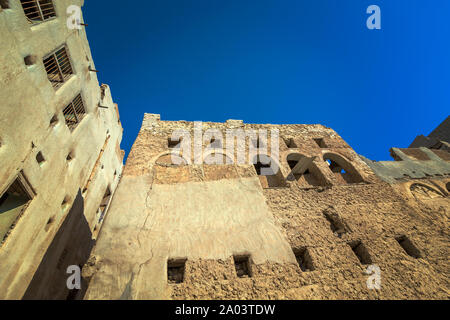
{"points": [[71, 245]]}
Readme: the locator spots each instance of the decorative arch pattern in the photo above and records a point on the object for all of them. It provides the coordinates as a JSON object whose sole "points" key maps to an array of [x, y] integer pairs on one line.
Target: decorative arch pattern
{"points": [[269, 172], [310, 175], [342, 168]]}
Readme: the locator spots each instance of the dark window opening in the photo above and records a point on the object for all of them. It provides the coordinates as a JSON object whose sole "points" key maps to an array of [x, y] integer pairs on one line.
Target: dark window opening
{"points": [[267, 176], [290, 143], [304, 259], [4, 4], [49, 224], [307, 178], [409, 247], [337, 226], [361, 252], [40, 158], [74, 112], [242, 266], [38, 10], [342, 169], [54, 120], [58, 67], [70, 156], [321, 143], [174, 143], [30, 60], [175, 271], [13, 203]]}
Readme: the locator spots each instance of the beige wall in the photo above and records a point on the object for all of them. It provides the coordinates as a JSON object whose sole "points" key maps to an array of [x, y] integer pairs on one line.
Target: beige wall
{"points": [[28, 103]]}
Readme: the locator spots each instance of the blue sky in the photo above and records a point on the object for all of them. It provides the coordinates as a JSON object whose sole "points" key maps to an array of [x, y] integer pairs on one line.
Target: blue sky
{"points": [[278, 61]]}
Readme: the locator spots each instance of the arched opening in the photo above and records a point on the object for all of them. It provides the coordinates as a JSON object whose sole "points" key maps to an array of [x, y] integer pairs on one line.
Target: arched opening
{"points": [[269, 172], [342, 168], [424, 192], [304, 170], [448, 186]]}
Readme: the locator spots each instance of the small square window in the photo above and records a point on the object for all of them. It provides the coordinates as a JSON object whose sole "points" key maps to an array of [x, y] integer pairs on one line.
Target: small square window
{"points": [[320, 142], [304, 259], [4, 4], [243, 266], [290, 143], [409, 247], [40, 158], [174, 143], [361, 252], [175, 270]]}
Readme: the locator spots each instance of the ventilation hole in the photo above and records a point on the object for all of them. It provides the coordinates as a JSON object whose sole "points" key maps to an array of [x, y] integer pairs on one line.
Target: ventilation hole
{"points": [[4, 4], [49, 223], [290, 143], [361, 252], [242, 266], [304, 259], [54, 120], [30, 60], [173, 143], [40, 158], [70, 156], [409, 247], [175, 270], [65, 203], [320, 142], [337, 226]]}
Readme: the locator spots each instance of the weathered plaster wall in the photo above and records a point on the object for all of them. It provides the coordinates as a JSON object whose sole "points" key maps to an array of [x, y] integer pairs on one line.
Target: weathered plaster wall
{"points": [[28, 103]]}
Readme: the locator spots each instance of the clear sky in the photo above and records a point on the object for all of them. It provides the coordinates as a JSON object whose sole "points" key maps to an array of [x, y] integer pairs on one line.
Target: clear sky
{"points": [[278, 61]]}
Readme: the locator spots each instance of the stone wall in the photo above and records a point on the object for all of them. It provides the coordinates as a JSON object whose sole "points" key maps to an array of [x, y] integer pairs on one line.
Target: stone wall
{"points": [[197, 231]]}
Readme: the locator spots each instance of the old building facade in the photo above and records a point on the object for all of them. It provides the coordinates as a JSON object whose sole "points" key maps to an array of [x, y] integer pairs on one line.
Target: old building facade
{"points": [[60, 154], [303, 218], [329, 224]]}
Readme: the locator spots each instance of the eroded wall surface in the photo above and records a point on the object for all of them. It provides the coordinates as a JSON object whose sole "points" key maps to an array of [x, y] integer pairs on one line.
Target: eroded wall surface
{"points": [[68, 170], [320, 235]]}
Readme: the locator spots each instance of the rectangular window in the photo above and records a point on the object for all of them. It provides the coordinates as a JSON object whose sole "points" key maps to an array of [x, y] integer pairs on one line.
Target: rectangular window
{"points": [[74, 112], [13, 203], [58, 67], [242, 266], [175, 271], [173, 143], [320, 142], [304, 259], [38, 10], [361, 252], [409, 247]]}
